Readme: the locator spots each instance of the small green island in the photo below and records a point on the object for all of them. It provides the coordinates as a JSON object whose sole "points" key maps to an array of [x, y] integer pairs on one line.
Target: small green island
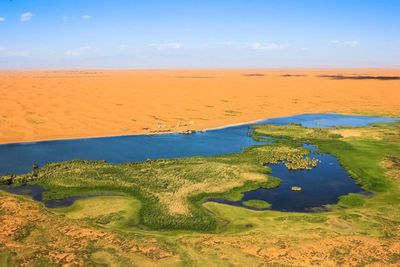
{"points": [[258, 204]]}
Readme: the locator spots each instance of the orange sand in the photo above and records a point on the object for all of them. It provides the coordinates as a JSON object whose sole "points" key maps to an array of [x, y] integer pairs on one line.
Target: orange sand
{"points": [[41, 105]]}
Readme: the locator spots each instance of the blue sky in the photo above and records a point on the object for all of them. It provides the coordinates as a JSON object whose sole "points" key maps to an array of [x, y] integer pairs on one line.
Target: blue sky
{"points": [[199, 33]]}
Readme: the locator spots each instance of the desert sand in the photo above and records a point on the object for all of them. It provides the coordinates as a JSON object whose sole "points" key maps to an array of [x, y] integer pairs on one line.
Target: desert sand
{"points": [[45, 105]]}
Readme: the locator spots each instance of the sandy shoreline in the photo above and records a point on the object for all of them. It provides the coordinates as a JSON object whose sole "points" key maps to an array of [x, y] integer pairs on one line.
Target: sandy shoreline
{"points": [[158, 133], [53, 105], [135, 134]]}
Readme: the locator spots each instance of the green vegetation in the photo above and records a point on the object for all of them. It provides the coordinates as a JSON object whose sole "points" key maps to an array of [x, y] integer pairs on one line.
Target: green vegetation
{"points": [[146, 199], [259, 204], [351, 200], [108, 211], [5, 258], [293, 132], [171, 192]]}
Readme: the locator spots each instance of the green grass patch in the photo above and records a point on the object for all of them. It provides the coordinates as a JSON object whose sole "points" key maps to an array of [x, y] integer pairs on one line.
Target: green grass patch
{"points": [[259, 204], [113, 211], [351, 200]]}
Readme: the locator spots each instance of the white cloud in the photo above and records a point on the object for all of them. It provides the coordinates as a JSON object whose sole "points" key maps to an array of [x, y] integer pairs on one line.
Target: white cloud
{"points": [[77, 51], [162, 46], [265, 46], [86, 17], [351, 44], [12, 53], [2, 19], [27, 16]]}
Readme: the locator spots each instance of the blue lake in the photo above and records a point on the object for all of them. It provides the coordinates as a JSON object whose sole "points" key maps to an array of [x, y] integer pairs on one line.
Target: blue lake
{"points": [[321, 185], [36, 192], [18, 158]]}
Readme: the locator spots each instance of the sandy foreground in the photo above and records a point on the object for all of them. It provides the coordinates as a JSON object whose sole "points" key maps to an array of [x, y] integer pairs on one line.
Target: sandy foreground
{"points": [[43, 105]]}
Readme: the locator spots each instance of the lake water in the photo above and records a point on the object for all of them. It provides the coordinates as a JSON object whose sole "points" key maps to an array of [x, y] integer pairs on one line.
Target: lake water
{"points": [[36, 192], [320, 186], [18, 158]]}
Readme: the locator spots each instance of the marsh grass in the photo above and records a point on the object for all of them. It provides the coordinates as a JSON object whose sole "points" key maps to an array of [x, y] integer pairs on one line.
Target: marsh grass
{"points": [[172, 191], [258, 204], [5, 258], [351, 200]]}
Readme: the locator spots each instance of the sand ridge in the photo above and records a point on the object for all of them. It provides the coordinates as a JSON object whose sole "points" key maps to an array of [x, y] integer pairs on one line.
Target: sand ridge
{"points": [[44, 105]]}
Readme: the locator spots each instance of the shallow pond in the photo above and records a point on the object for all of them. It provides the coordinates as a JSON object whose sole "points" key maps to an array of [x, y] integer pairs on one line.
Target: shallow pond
{"points": [[320, 186], [36, 192]]}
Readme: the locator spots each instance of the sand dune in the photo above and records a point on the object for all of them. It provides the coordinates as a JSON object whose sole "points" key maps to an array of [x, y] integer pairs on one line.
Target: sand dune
{"points": [[41, 105]]}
